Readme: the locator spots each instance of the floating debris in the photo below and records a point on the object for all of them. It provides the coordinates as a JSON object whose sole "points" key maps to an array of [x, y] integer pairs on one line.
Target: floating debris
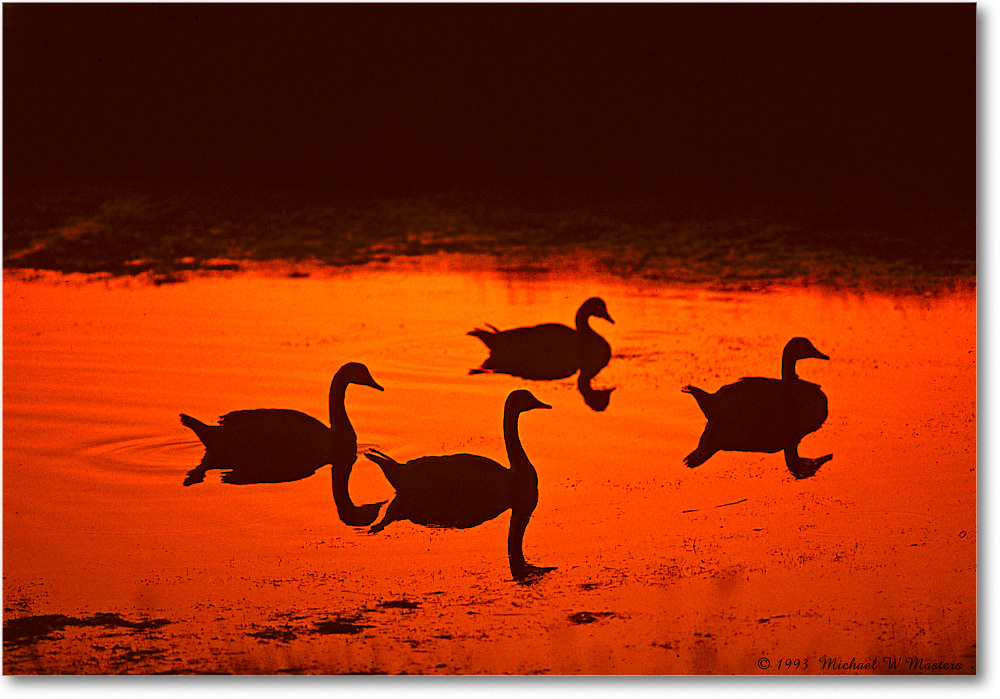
{"points": [[725, 504], [399, 604]]}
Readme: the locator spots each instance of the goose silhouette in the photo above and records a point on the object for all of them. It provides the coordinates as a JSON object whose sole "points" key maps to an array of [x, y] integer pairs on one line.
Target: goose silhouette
{"points": [[764, 415], [276, 446], [464, 490], [550, 351]]}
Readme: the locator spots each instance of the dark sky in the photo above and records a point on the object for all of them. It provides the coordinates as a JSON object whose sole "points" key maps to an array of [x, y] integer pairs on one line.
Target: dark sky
{"points": [[845, 103]]}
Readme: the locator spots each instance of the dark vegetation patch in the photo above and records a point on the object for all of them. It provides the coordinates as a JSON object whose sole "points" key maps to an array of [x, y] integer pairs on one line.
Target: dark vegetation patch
{"points": [[589, 617], [24, 631], [275, 633], [286, 632], [340, 625], [189, 671], [368, 672], [127, 655], [168, 233]]}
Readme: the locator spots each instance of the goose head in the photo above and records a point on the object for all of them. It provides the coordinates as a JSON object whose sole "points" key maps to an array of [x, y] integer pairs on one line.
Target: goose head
{"points": [[355, 372], [520, 401], [594, 307], [796, 349], [800, 348]]}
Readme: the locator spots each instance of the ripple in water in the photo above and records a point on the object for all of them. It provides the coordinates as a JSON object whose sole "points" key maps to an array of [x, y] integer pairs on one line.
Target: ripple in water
{"points": [[153, 454], [156, 455]]}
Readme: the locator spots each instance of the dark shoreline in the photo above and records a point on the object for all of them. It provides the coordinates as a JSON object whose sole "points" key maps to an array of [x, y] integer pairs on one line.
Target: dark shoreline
{"points": [[166, 233]]}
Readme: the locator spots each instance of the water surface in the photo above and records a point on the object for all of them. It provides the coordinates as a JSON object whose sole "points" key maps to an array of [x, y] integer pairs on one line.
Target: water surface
{"points": [[661, 569]]}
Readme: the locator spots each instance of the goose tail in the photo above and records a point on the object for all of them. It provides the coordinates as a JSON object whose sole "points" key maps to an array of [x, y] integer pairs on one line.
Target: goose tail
{"points": [[197, 426], [704, 399], [380, 458], [385, 462], [486, 336]]}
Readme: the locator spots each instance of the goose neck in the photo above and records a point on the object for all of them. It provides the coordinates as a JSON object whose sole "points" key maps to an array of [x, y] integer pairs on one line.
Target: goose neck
{"points": [[519, 463], [788, 367], [338, 411], [582, 322]]}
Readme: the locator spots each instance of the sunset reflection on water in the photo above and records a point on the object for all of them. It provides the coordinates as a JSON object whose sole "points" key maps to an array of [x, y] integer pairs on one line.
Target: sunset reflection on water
{"points": [[661, 569]]}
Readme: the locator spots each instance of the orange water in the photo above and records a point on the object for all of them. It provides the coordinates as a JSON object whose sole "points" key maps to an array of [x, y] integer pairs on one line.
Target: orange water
{"points": [[874, 557]]}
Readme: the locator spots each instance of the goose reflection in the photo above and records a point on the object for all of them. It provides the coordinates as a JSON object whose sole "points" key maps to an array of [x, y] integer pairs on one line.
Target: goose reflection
{"points": [[465, 490], [552, 351], [277, 446], [765, 415], [595, 398]]}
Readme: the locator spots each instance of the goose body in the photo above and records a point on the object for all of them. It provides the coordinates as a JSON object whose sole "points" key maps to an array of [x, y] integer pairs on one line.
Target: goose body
{"points": [[762, 415], [548, 351], [263, 446], [758, 414], [276, 445], [465, 490], [457, 491]]}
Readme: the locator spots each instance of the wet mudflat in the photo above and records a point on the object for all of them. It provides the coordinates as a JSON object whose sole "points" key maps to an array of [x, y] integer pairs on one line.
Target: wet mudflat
{"points": [[112, 565]]}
